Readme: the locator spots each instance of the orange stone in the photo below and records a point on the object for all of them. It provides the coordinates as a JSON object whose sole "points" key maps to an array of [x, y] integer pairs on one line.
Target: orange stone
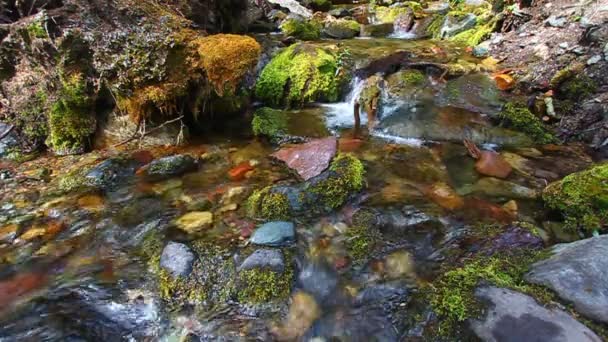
{"points": [[238, 172], [504, 81], [492, 164], [442, 194]]}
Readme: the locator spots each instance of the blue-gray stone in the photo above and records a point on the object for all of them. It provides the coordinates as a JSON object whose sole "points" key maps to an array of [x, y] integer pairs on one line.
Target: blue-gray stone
{"points": [[177, 259], [271, 259], [274, 234], [171, 166]]}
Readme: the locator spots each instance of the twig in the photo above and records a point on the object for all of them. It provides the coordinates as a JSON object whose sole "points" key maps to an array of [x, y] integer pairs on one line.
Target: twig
{"points": [[8, 131], [144, 133]]}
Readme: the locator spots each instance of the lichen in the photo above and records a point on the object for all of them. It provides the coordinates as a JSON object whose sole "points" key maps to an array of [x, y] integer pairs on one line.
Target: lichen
{"points": [[71, 120], [346, 178], [582, 197], [452, 294], [300, 74], [520, 118], [301, 29], [269, 122]]}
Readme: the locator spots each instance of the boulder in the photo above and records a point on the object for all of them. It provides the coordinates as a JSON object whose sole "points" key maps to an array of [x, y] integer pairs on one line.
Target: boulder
{"points": [[195, 222], [177, 259], [271, 259], [274, 234], [454, 25], [171, 166], [513, 316], [577, 273], [294, 7], [342, 29], [377, 30]]}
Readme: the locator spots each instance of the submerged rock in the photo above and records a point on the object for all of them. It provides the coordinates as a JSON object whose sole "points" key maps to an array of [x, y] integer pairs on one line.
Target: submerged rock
{"points": [[513, 316], [264, 258], [171, 166], [110, 172], [494, 187], [309, 159], [177, 259], [577, 273], [195, 222], [274, 234]]}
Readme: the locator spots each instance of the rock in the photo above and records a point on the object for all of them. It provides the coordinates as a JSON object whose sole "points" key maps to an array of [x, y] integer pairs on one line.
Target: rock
{"points": [[442, 194], [309, 159], [9, 141], [377, 30], [195, 222], [577, 273], [319, 280], [110, 172], [513, 316], [492, 164], [294, 7], [271, 259], [515, 237], [455, 25], [274, 234], [606, 52], [177, 259], [339, 12], [556, 21], [482, 50], [594, 60], [342, 29], [171, 166], [303, 311], [239, 172], [494, 187]]}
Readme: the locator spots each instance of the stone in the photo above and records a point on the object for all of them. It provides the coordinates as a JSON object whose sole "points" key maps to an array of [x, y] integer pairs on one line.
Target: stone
{"points": [[492, 164], [453, 25], [482, 50], [171, 166], [195, 222], [342, 29], [442, 194], [309, 159], [339, 12], [577, 273], [294, 7], [513, 316], [303, 312], [177, 259], [594, 60], [514, 237], [606, 52], [8, 140], [110, 172], [274, 234], [494, 187], [377, 30], [271, 259], [556, 21]]}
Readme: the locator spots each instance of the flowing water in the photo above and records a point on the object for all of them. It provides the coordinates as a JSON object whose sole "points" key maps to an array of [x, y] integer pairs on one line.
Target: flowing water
{"points": [[76, 265]]}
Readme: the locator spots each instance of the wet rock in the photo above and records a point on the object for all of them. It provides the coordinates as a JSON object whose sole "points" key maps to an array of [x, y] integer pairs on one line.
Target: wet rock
{"points": [[513, 316], [482, 50], [515, 237], [9, 141], [494, 187], [274, 234], [319, 280], [195, 222], [377, 30], [171, 166], [400, 221], [492, 164], [454, 25], [177, 259], [271, 259], [110, 172], [594, 60], [339, 12], [303, 311], [342, 29], [556, 21], [442, 194], [309, 159], [577, 273], [294, 7]]}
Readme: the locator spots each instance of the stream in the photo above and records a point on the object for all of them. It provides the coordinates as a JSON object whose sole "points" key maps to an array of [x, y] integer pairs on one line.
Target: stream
{"points": [[78, 264]]}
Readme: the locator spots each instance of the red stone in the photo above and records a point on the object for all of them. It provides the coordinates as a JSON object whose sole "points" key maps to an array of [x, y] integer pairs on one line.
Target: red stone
{"points": [[492, 164], [238, 172], [309, 159], [349, 144]]}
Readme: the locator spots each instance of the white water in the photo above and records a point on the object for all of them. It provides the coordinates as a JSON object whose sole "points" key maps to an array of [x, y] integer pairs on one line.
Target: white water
{"points": [[340, 115]]}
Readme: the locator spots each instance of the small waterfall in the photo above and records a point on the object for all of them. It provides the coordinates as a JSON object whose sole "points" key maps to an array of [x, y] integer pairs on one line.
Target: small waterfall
{"points": [[341, 114]]}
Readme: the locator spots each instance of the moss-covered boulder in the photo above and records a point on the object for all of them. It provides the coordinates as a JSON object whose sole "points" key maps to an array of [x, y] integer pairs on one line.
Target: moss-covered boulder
{"points": [[269, 122], [301, 29], [582, 197], [321, 5], [520, 118], [303, 73], [342, 29], [321, 194]]}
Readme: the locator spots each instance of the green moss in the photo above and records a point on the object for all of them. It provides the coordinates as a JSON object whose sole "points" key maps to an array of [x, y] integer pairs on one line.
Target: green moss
{"points": [[259, 286], [520, 118], [36, 30], [435, 25], [269, 122], [268, 205], [347, 178], [452, 294], [578, 87], [303, 30], [362, 236], [474, 36], [176, 291], [390, 14], [321, 5], [413, 77], [301, 74], [71, 120], [31, 119], [582, 197]]}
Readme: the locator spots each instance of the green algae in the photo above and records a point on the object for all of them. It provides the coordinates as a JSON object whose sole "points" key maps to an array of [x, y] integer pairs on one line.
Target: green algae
{"points": [[347, 178], [269, 122], [259, 286], [265, 203], [303, 30], [520, 118]]}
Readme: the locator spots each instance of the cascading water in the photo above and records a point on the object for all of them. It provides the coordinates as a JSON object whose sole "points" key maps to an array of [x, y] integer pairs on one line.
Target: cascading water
{"points": [[340, 115]]}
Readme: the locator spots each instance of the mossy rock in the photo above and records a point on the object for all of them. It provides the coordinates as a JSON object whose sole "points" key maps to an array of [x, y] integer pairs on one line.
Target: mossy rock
{"points": [[269, 122], [582, 197], [577, 87], [363, 235], [301, 74], [301, 29], [520, 118], [262, 285], [321, 5], [321, 194], [342, 29], [390, 14]]}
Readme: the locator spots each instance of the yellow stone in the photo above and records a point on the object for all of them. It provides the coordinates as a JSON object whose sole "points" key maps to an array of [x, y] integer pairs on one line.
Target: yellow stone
{"points": [[195, 222]]}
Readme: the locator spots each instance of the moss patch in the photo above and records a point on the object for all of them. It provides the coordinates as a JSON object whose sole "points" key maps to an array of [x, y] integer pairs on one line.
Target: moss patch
{"points": [[346, 179], [301, 74], [300, 29], [520, 118], [269, 122], [269, 205], [362, 236], [259, 286], [582, 197]]}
